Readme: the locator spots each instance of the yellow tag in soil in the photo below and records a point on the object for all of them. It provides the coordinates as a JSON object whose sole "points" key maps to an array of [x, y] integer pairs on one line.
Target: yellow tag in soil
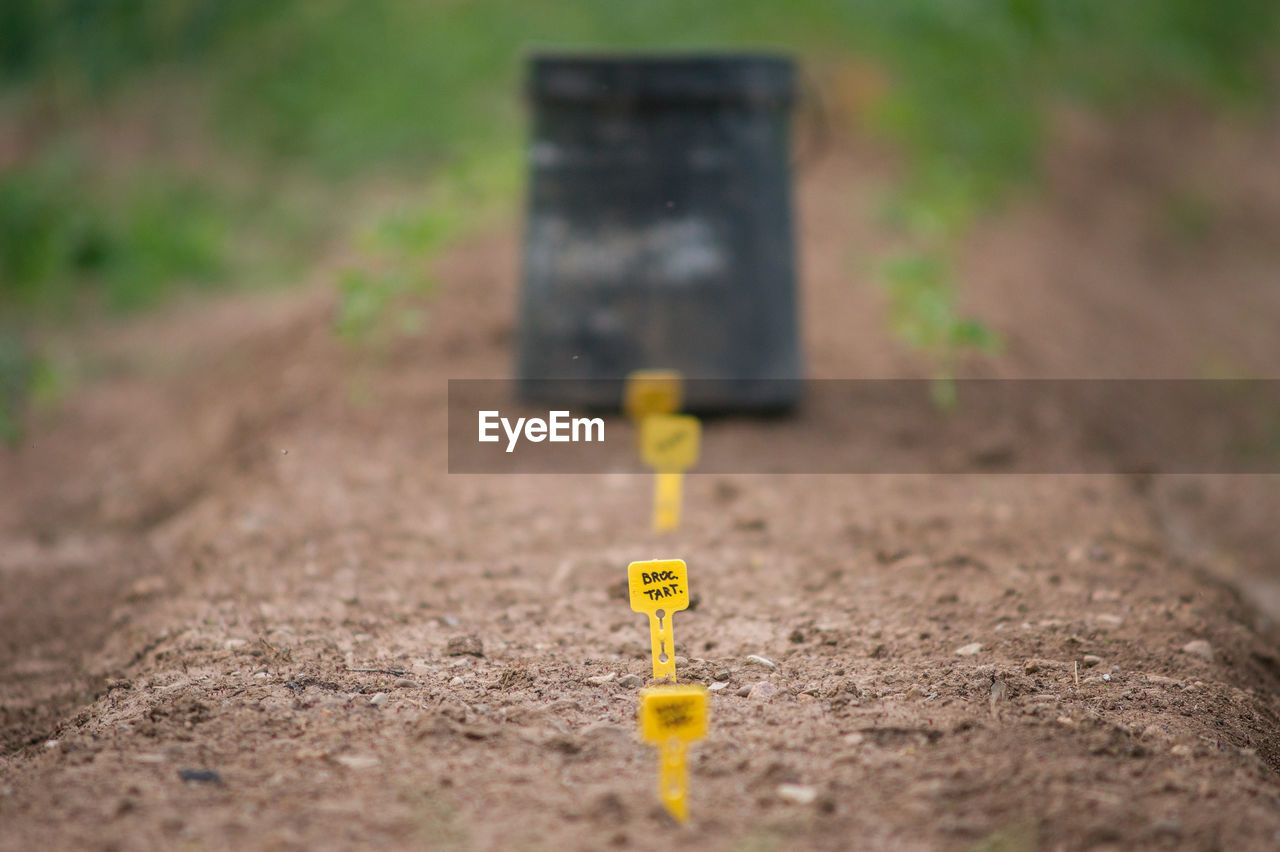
{"points": [[649, 392], [669, 444], [659, 588], [671, 717]]}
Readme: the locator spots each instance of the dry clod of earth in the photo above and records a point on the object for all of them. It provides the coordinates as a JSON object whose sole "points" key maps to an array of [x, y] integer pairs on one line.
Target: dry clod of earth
{"points": [[763, 662], [465, 644], [999, 694]]}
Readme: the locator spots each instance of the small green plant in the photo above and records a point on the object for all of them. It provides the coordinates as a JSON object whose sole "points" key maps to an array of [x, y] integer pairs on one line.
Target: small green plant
{"points": [[26, 379], [922, 313]]}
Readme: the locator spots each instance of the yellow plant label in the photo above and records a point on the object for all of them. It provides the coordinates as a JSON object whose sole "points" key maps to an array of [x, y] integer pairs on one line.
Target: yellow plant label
{"points": [[668, 495], [669, 442], [673, 712], [671, 717], [649, 392], [660, 588]]}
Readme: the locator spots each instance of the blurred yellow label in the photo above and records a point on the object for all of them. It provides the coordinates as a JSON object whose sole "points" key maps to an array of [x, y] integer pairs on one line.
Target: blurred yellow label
{"points": [[669, 443], [650, 392], [671, 717], [673, 712]]}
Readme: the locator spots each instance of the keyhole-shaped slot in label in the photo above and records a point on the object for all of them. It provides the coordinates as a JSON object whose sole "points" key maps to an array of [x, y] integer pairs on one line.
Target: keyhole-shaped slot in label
{"points": [[662, 613], [662, 657]]}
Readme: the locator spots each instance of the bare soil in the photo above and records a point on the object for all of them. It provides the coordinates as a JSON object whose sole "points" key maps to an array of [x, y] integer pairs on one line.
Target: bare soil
{"points": [[237, 555]]}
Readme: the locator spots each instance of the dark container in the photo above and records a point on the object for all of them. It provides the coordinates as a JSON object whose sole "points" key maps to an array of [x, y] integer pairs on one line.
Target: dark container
{"points": [[659, 230]]}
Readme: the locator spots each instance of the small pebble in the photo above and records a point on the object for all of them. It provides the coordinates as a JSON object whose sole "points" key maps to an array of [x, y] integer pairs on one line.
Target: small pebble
{"points": [[757, 660], [718, 686], [799, 794], [970, 650], [1090, 660], [200, 776], [405, 683], [378, 699], [762, 691], [743, 691], [51, 744], [357, 761], [1199, 648], [601, 680], [630, 681], [1107, 677], [722, 674], [457, 681]]}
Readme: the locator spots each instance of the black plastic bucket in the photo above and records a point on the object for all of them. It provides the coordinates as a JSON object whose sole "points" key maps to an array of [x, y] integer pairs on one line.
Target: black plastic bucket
{"points": [[659, 230]]}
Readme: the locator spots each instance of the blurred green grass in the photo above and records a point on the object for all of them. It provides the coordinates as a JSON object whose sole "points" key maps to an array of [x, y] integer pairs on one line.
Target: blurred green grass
{"points": [[278, 122], [345, 90]]}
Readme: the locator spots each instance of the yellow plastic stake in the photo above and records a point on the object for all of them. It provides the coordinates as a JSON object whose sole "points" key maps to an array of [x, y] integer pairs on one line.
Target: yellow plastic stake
{"points": [[660, 588], [669, 443], [668, 494], [649, 392], [671, 717]]}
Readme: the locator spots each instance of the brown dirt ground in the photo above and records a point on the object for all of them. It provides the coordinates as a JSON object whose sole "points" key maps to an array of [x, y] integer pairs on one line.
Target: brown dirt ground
{"points": [[179, 592]]}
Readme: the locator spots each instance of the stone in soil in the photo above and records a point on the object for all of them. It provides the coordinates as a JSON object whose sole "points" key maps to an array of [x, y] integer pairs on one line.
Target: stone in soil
{"points": [[799, 794], [970, 650], [1199, 648], [199, 776]]}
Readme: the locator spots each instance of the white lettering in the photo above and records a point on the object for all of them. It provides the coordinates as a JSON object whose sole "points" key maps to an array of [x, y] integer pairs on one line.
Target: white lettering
{"points": [[487, 423], [559, 427], [587, 423], [513, 435]]}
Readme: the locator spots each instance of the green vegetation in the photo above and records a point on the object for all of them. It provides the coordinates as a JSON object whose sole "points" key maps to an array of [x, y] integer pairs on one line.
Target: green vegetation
{"points": [[339, 96]]}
